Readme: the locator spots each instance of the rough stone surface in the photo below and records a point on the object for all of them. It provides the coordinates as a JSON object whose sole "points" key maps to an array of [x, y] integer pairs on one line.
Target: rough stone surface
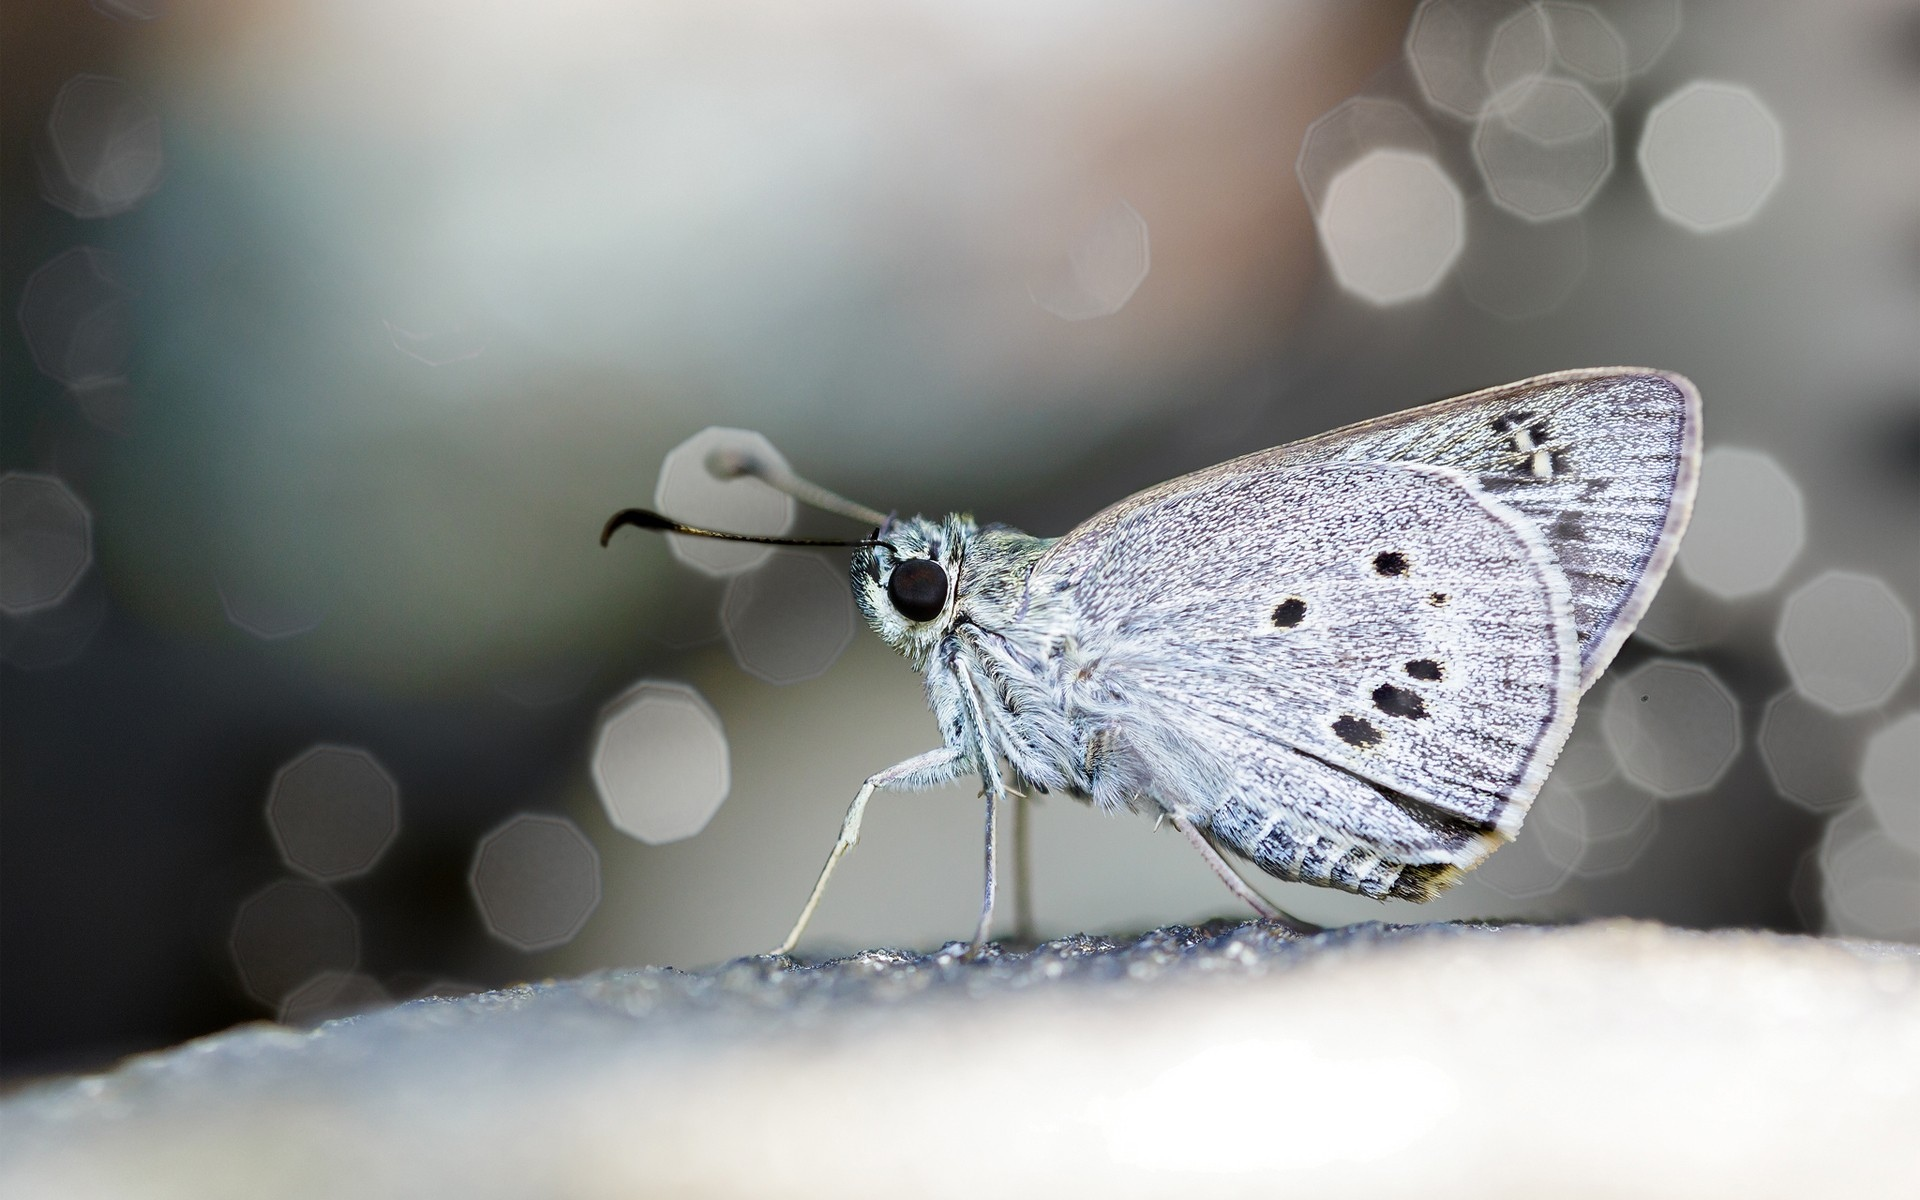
{"points": [[1450, 1060]]}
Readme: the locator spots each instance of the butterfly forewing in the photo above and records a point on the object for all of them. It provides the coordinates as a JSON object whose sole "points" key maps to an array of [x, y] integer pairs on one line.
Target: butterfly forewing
{"points": [[1375, 653], [1602, 462]]}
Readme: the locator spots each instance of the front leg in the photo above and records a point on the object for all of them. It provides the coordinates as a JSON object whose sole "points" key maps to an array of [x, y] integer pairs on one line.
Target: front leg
{"points": [[924, 770]]}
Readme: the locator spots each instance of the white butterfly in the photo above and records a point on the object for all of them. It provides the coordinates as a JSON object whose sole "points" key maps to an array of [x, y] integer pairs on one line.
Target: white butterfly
{"points": [[1351, 659]]}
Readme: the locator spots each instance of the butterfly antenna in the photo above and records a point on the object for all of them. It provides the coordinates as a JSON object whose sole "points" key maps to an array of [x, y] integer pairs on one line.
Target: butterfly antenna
{"points": [[646, 518], [728, 463]]}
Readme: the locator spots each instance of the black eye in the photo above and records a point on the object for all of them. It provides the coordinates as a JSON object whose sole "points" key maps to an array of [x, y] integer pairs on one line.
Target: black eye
{"points": [[918, 589]]}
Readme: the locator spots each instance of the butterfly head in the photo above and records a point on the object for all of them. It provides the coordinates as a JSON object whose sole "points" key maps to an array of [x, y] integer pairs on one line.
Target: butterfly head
{"points": [[906, 580]]}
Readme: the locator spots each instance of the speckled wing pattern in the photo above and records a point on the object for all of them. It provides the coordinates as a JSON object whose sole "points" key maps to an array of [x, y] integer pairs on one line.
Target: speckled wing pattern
{"points": [[1354, 674], [1603, 461]]}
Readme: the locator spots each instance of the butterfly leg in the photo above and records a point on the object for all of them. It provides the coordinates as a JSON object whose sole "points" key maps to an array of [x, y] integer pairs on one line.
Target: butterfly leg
{"points": [[1235, 884], [994, 800], [924, 770]]}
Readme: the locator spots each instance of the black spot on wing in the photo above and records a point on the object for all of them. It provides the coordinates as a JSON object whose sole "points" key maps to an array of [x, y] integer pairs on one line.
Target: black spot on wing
{"points": [[1356, 731], [1390, 562], [1398, 701], [1289, 612], [1427, 669], [1438, 599]]}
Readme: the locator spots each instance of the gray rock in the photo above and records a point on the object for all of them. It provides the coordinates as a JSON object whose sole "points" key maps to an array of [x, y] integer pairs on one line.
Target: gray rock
{"points": [[1448, 1060]]}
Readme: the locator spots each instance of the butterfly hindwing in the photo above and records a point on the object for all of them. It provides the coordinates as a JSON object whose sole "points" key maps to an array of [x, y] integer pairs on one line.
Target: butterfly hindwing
{"points": [[1370, 664]]}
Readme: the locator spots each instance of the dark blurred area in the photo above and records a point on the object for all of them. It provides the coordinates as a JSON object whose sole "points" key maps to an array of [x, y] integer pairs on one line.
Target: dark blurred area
{"points": [[337, 329]]}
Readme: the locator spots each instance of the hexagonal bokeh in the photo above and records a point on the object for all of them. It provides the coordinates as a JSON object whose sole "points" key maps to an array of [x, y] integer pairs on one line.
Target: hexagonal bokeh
{"points": [[1586, 759], [1544, 146], [1646, 27], [1518, 269], [53, 637], [692, 492], [288, 932], [1890, 778], [435, 339], [1106, 264], [1749, 524], [790, 619], [1587, 47], [1674, 727], [1869, 882], [1847, 640], [107, 404], [1711, 154], [46, 542], [333, 811], [1346, 132], [1681, 617], [75, 314], [1621, 822], [1393, 224], [1520, 48], [130, 10], [660, 762], [331, 994], [536, 880], [104, 149], [1545, 854], [1447, 47], [268, 612], [1809, 753]]}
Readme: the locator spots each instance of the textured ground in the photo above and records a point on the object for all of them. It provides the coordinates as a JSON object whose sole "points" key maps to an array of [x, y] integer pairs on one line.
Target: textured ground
{"points": [[1446, 1060]]}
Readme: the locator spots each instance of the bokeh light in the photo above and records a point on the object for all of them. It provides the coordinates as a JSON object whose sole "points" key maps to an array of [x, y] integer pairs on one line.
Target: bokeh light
{"points": [[52, 637], [104, 149], [692, 492], [1870, 882], [1588, 48], [790, 618], [536, 880], [1749, 524], [76, 317], [331, 994], [271, 614], [1621, 821], [1711, 154], [130, 10], [46, 542], [1447, 47], [660, 762], [1586, 759], [1544, 147], [1350, 129], [1674, 727], [1808, 753], [1647, 28], [1518, 269], [1847, 640], [288, 932], [1548, 849], [1392, 225], [110, 405], [333, 811], [1890, 778], [1105, 265]]}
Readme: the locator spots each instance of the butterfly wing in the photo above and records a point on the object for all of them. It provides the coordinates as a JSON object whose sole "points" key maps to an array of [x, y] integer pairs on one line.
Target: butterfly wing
{"points": [[1355, 673], [1603, 462]]}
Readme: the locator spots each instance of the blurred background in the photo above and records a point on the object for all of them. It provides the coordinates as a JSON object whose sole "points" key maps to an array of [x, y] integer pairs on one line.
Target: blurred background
{"points": [[338, 328]]}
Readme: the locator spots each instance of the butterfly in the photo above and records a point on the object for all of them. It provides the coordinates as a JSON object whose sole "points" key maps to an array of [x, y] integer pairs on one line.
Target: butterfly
{"points": [[1350, 660]]}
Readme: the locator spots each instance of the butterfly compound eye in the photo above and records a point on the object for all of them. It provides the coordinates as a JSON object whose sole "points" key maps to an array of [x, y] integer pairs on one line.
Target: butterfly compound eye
{"points": [[918, 589]]}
